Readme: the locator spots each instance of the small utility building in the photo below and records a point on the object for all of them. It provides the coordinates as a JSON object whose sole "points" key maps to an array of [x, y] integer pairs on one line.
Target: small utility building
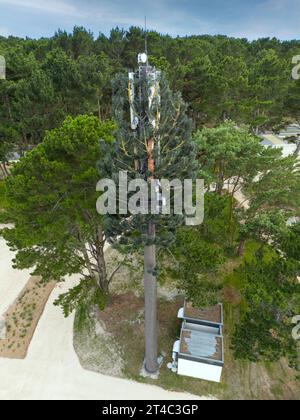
{"points": [[200, 351], [282, 140]]}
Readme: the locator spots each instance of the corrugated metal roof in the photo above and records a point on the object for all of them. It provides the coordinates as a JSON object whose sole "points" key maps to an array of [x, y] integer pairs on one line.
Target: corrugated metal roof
{"points": [[291, 129], [273, 140], [202, 345]]}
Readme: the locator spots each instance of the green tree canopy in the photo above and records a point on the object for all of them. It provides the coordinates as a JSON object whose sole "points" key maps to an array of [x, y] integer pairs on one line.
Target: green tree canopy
{"points": [[52, 202], [272, 294]]}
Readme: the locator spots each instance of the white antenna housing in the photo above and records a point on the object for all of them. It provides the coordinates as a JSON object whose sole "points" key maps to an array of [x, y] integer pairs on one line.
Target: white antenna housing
{"points": [[142, 58]]}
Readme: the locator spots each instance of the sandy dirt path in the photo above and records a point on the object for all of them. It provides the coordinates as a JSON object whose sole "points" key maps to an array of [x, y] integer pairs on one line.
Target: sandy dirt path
{"points": [[51, 369], [11, 281]]}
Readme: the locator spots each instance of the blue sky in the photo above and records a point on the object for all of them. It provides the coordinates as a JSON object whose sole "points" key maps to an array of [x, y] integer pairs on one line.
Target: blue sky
{"points": [[240, 18]]}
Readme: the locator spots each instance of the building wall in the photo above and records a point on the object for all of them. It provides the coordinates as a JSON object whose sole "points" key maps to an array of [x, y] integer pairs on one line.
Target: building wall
{"points": [[202, 328], [199, 370]]}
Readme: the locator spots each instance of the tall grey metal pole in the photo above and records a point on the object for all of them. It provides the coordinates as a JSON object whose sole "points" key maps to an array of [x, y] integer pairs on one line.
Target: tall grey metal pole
{"points": [[150, 287]]}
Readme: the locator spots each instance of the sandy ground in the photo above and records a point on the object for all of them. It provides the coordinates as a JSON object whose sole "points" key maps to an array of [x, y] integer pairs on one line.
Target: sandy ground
{"points": [[23, 316], [51, 369], [11, 281]]}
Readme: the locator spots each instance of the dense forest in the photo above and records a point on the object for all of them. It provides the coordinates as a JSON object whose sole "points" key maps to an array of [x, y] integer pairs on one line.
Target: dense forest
{"points": [[70, 74]]}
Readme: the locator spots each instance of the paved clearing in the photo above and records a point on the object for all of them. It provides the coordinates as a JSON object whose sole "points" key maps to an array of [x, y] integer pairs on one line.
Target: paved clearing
{"points": [[51, 369]]}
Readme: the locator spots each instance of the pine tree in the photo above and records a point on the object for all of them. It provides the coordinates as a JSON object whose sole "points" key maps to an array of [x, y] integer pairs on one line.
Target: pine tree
{"points": [[50, 198], [159, 148]]}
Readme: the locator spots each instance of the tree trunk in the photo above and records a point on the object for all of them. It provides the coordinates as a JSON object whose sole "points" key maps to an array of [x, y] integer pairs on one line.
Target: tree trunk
{"points": [[150, 284], [241, 248], [97, 268], [5, 169], [3, 173], [103, 280], [297, 151], [104, 283], [220, 181], [99, 108]]}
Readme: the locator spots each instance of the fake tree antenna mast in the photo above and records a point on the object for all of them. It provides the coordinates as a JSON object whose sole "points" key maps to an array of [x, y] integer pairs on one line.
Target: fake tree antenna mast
{"points": [[144, 97]]}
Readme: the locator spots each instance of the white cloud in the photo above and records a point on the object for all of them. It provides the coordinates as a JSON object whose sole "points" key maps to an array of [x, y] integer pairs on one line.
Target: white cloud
{"points": [[100, 12], [161, 16], [258, 19], [49, 6]]}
